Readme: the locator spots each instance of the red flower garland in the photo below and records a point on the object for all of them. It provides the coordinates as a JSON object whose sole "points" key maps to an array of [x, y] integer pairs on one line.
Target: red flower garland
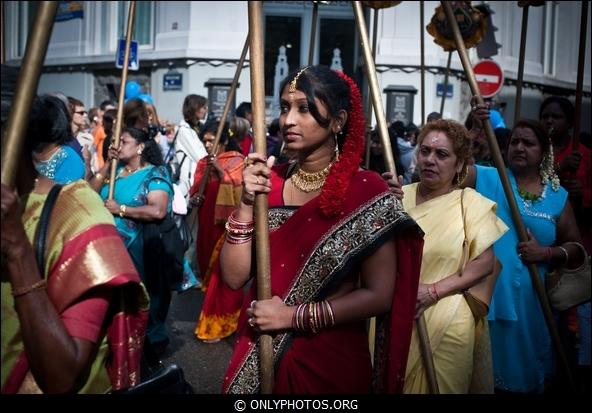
{"points": [[337, 183]]}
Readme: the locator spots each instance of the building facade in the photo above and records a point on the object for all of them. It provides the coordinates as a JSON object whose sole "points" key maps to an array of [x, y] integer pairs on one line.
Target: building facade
{"points": [[188, 47]]}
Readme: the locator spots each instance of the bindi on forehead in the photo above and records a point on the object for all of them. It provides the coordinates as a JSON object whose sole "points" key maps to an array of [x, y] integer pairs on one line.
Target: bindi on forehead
{"points": [[293, 96], [437, 139], [524, 133]]}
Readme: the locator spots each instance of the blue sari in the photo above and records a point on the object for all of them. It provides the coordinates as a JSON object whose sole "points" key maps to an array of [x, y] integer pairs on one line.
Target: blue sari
{"points": [[64, 166], [133, 190], [520, 341]]}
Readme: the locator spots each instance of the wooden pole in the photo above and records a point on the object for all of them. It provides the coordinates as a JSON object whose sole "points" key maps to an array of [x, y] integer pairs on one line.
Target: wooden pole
{"points": [[118, 124], [2, 52], [374, 90], [446, 74], [377, 101], [369, 100], [261, 205], [372, 326], [580, 78], [422, 62], [516, 218], [192, 220], [26, 89], [313, 32], [427, 355], [523, 32]]}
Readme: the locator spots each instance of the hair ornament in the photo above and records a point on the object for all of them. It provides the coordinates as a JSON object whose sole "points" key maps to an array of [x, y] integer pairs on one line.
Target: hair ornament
{"points": [[292, 87]]}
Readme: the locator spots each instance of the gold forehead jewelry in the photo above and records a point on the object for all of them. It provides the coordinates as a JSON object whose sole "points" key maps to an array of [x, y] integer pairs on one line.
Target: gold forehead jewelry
{"points": [[292, 88], [310, 181]]}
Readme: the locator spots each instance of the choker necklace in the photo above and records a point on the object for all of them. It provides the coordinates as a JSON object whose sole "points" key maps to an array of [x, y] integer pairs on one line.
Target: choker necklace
{"points": [[310, 181], [527, 196]]}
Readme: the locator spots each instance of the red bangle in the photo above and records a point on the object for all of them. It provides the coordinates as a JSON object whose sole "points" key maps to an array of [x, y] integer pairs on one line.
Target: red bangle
{"points": [[436, 292]]}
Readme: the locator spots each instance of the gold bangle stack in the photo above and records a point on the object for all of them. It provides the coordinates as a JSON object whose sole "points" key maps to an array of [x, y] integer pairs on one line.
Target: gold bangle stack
{"points": [[313, 317]]}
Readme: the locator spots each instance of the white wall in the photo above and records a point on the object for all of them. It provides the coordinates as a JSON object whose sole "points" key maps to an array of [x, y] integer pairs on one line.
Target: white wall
{"points": [[217, 30], [76, 84], [169, 103]]}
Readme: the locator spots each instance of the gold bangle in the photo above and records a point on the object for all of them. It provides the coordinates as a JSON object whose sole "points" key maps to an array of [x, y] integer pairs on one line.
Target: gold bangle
{"points": [[122, 209], [39, 285]]}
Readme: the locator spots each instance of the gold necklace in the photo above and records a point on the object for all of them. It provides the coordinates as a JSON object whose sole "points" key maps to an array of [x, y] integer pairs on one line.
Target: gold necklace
{"points": [[310, 181], [130, 170]]}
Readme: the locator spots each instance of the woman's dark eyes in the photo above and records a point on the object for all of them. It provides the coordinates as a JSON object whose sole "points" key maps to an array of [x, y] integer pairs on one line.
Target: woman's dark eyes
{"points": [[285, 109]]}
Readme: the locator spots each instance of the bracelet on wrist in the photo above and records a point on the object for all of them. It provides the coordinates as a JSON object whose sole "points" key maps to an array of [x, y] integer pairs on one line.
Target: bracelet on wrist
{"points": [[39, 285], [122, 209], [432, 294], [564, 253], [548, 254], [313, 317], [435, 292]]}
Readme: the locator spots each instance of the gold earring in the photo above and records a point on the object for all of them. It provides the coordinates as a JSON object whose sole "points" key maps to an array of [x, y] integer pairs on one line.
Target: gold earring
{"points": [[336, 148], [139, 151]]}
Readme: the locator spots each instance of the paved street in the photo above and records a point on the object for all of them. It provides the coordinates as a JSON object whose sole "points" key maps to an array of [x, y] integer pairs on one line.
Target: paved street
{"points": [[204, 364]]}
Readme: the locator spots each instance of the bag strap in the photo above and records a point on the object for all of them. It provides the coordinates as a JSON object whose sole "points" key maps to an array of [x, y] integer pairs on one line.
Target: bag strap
{"points": [[182, 160], [465, 245], [172, 144], [41, 233]]}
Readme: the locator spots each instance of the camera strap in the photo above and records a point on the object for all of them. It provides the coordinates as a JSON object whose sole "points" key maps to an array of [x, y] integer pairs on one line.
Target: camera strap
{"points": [[172, 147]]}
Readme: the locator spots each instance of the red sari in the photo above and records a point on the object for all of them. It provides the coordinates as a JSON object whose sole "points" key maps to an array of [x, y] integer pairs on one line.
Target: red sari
{"points": [[310, 257], [219, 314], [583, 174]]}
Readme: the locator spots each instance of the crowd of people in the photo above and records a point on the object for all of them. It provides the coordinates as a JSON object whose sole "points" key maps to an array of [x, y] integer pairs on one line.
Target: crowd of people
{"points": [[85, 306]]}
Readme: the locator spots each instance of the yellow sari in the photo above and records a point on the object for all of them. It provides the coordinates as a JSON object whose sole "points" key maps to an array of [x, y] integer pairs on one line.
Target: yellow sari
{"points": [[450, 323]]}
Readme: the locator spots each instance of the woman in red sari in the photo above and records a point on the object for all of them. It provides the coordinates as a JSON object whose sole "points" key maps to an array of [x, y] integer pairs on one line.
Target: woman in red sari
{"points": [[338, 241], [219, 314]]}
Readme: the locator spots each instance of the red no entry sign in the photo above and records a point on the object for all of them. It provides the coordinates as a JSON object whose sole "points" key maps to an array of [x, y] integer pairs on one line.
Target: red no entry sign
{"points": [[490, 77]]}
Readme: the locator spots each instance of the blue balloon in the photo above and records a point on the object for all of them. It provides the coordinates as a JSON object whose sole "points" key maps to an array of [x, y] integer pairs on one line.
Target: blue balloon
{"points": [[497, 121], [146, 98], [132, 90]]}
